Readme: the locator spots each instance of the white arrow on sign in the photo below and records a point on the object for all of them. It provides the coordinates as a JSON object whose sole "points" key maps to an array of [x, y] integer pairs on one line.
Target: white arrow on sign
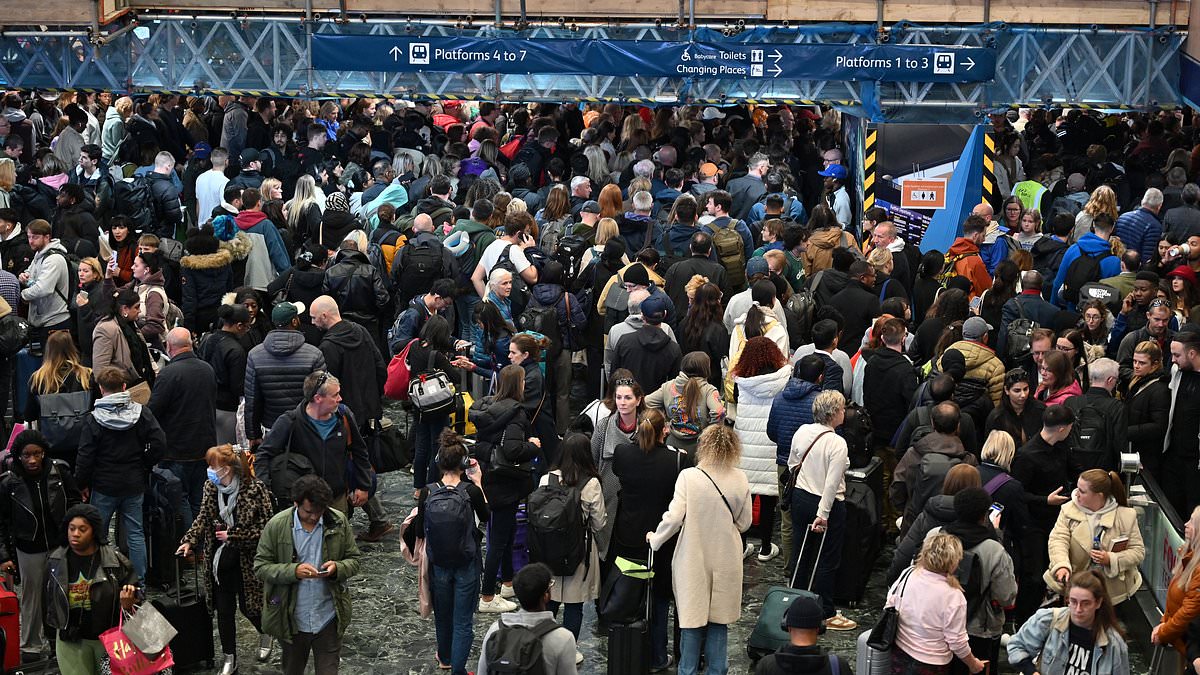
{"points": [[395, 52], [775, 70], [969, 63], [776, 55]]}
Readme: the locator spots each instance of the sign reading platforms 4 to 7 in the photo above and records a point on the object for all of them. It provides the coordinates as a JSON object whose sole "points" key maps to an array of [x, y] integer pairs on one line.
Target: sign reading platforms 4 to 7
{"points": [[513, 56]]}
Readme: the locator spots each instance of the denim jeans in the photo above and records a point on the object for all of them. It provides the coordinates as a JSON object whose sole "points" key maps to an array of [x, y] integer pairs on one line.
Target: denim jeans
{"points": [[501, 530], [455, 596], [572, 615], [426, 446], [464, 307], [804, 512], [130, 509], [715, 637], [660, 613], [192, 476]]}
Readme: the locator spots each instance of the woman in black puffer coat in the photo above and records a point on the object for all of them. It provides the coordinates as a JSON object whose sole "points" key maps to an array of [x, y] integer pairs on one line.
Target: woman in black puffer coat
{"points": [[502, 428], [207, 276], [1148, 400]]}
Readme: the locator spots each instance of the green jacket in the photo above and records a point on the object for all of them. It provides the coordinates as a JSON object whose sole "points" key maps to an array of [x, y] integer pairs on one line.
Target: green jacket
{"points": [[275, 564]]}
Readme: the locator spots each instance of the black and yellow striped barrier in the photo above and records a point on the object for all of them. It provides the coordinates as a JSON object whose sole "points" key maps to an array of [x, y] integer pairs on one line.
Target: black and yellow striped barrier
{"points": [[989, 169], [869, 163]]}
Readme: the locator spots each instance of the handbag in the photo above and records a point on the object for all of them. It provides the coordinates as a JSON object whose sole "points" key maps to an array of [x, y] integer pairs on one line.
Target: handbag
{"points": [[883, 635], [390, 448], [63, 416], [140, 392], [431, 392], [126, 659], [786, 490], [149, 630], [287, 468]]}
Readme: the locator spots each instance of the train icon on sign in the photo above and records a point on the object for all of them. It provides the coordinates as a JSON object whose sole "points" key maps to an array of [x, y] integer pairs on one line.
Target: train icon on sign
{"points": [[418, 53], [943, 63]]}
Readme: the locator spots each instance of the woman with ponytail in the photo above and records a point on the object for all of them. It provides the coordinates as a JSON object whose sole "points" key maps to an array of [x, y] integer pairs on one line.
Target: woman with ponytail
{"points": [[647, 470], [689, 402], [1097, 530], [1183, 593], [760, 322], [525, 350]]}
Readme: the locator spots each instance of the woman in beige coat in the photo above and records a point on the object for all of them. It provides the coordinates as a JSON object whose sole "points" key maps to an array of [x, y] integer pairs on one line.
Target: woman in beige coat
{"points": [[1097, 529], [710, 510], [577, 470]]}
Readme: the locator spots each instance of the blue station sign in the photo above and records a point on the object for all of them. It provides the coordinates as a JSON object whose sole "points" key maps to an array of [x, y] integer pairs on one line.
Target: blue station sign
{"points": [[645, 58]]}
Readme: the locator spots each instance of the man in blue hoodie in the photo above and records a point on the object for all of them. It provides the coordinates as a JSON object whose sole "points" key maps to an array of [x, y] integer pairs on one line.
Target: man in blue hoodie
{"points": [[638, 228], [791, 410], [1095, 244]]}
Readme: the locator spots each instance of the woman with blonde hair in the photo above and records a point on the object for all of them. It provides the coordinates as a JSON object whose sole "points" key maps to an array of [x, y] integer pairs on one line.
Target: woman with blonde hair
{"points": [[1183, 593], [272, 188], [8, 178], [234, 509], [1097, 529], [606, 229], [933, 612], [304, 210], [62, 373], [1102, 201], [709, 511], [1148, 401]]}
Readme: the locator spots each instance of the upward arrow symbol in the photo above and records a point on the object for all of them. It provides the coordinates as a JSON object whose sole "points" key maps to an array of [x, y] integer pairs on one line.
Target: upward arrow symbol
{"points": [[776, 55], [395, 52]]}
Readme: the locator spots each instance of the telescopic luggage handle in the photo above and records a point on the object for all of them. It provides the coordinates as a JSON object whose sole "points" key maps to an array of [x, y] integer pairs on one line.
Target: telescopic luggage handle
{"points": [[800, 558]]}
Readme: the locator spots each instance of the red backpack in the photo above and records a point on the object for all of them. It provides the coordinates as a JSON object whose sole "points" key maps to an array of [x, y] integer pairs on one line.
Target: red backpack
{"points": [[398, 375], [511, 148]]}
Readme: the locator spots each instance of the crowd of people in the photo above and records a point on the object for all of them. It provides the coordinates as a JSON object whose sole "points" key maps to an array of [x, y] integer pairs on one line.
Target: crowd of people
{"points": [[221, 293]]}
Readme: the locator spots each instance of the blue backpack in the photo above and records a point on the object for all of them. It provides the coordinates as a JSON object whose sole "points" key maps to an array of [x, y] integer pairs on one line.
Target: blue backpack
{"points": [[449, 526]]}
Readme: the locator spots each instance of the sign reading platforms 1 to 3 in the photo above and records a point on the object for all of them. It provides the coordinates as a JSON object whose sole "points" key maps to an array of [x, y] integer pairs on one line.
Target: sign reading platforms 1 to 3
{"points": [[514, 56], [925, 193]]}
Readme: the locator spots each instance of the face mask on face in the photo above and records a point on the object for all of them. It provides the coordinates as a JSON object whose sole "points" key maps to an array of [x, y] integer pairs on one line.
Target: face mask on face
{"points": [[214, 477]]}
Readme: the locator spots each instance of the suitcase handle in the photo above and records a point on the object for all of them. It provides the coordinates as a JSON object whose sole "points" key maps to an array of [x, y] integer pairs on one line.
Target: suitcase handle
{"points": [[800, 557], [649, 586]]}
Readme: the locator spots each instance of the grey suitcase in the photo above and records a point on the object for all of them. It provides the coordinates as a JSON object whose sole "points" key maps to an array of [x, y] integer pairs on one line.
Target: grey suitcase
{"points": [[871, 661]]}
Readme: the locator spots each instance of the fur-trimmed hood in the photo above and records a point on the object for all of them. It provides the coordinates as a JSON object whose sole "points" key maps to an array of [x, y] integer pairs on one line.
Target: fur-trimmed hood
{"points": [[207, 261], [238, 247]]}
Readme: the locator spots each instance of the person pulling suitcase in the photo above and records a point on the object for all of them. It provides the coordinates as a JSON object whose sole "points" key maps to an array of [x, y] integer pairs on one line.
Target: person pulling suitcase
{"points": [[805, 622]]}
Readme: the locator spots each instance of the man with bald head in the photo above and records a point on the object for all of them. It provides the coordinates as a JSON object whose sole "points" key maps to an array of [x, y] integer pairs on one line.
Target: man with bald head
{"points": [[420, 262], [353, 358], [185, 402]]}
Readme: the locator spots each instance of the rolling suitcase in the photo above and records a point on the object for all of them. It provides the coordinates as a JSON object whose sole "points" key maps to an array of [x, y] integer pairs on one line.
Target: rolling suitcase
{"points": [[629, 642], [162, 524], [871, 661], [188, 612], [10, 625], [26, 363], [770, 633], [862, 535]]}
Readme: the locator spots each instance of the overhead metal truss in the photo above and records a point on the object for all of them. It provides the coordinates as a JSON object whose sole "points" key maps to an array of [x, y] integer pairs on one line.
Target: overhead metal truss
{"points": [[1103, 67]]}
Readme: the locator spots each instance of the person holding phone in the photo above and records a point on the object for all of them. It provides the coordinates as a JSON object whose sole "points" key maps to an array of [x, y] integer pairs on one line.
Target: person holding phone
{"points": [[1097, 530], [234, 508]]}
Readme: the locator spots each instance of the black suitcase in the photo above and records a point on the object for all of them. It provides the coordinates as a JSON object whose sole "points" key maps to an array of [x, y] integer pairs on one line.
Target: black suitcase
{"points": [[629, 643], [162, 525], [188, 613], [863, 534]]}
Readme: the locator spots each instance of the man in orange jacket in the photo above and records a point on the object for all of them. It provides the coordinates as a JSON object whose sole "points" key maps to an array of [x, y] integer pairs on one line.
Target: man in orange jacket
{"points": [[964, 254]]}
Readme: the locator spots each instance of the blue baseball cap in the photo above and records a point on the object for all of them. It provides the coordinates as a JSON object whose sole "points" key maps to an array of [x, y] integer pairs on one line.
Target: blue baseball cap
{"points": [[834, 171]]}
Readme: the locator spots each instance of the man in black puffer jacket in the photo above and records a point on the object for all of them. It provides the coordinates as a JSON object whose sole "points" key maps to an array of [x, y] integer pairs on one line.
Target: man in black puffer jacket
{"points": [[802, 656], [275, 371], [168, 210]]}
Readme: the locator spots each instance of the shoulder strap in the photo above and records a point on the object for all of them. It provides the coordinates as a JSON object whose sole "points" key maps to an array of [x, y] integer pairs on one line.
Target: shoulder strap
{"points": [[998, 481], [544, 627], [718, 488], [834, 667], [883, 291], [1020, 307], [810, 447]]}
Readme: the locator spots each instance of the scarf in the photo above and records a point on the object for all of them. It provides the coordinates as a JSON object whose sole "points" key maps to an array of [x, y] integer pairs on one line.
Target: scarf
{"points": [[226, 504], [139, 355]]}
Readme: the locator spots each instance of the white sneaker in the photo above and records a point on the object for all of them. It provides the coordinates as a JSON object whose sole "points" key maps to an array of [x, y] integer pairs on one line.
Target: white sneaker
{"points": [[578, 658], [497, 605], [770, 555], [507, 592], [748, 551], [1005, 638]]}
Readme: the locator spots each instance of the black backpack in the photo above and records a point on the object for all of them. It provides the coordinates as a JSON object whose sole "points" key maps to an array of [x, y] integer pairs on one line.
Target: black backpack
{"points": [[970, 577], [804, 305], [1019, 336], [1089, 433], [134, 199], [1084, 269], [420, 266], [449, 526], [31, 202], [520, 289], [558, 535], [517, 650], [541, 319], [569, 254], [929, 477]]}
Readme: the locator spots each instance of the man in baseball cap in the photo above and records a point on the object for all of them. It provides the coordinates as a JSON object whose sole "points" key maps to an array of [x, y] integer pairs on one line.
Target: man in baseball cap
{"points": [[804, 622], [835, 192]]}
